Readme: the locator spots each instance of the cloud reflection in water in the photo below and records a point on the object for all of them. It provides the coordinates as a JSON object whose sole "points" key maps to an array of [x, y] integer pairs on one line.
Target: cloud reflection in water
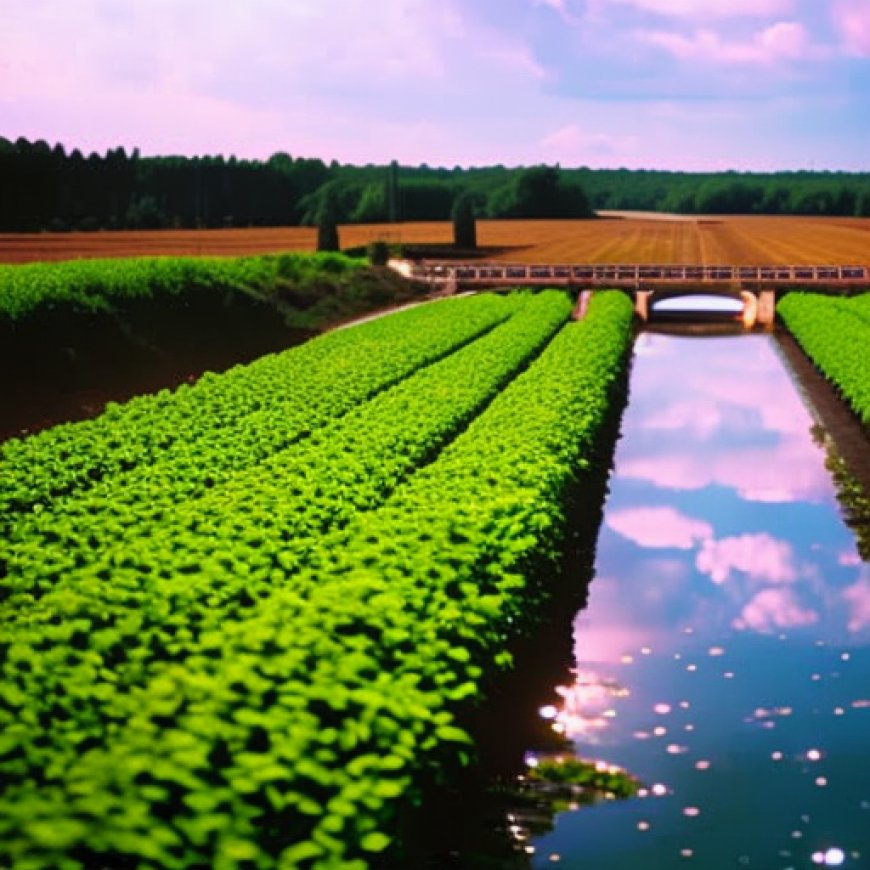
{"points": [[727, 591]]}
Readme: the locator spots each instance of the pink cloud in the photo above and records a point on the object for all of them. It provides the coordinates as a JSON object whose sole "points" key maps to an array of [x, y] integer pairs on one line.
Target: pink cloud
{"points": [[701, 418], [857, 596], [796, 474], [734, 405], [708, 9], [852, 20], [759, 556], [585, 705], [659, 527], [781, 410], [573, 144], [783, 41], [849, 559], [622, 623], [773, 609]]}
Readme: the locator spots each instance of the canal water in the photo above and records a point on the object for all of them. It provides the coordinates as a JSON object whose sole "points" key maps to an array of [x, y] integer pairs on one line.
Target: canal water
{"points": [[723, 656]]}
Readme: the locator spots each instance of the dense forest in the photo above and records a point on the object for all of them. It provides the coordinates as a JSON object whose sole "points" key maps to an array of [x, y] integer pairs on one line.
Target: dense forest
{"points": [[47, 187]]}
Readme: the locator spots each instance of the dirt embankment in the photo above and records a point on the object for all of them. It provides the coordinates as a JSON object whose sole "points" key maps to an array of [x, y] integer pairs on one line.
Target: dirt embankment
{"points": [[62, 369], [845, 439], [62, 364], [850, 437]]}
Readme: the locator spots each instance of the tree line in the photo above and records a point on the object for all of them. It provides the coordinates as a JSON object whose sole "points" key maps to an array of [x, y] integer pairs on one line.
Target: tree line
{"points": [[47, 187]]}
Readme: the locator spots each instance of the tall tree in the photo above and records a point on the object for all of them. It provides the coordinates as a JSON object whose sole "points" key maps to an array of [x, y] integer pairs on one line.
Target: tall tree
{"points": [[464, 224], [327, 223]]}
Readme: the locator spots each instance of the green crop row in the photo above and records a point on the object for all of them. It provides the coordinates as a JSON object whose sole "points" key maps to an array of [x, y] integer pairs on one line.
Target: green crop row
{"points": [[100, 285], [860, 306], [837, 339], [226, 421], [133, 534], [292, 732]]}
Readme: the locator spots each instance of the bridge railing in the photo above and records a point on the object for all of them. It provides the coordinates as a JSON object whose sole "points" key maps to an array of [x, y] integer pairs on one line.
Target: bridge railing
{"points": [[621, 273]]}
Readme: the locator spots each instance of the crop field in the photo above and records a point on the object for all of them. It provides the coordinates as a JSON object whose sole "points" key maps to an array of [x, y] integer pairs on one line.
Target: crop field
{"points": [[739, 240], [835, 334], [240, 619]]}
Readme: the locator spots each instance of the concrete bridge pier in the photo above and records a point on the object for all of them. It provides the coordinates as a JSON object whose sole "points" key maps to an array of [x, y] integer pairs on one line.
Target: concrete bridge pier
{"points": [[642, 303], [750, 308], [582, 305], [766, 308]]}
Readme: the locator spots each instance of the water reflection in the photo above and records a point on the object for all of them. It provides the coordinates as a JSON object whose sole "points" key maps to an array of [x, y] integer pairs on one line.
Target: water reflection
{"points": [[723, 655]]}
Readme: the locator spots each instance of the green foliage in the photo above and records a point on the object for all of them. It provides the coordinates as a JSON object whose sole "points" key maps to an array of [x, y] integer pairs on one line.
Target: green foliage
{"points": [[46, 187], [540, 192], [210, 693], [574, 771], [853, 498], [145, 214], [184, 442], [835, 333], [303, 490], [309, 291], [371, 205], [106, 285]]}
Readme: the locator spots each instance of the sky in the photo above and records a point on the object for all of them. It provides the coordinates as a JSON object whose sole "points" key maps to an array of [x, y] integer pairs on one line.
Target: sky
{"points": [[659, 84]]}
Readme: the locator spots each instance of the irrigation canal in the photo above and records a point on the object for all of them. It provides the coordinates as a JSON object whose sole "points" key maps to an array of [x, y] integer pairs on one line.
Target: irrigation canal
{"points": [[723, 657]]}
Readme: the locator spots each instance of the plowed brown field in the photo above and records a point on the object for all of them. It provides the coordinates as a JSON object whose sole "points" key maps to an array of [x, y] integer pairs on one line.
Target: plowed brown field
{"points": [[642, 239]]}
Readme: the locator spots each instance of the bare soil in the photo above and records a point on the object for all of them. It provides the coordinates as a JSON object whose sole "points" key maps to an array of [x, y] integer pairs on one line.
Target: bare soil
{"points": [[626, 237]]}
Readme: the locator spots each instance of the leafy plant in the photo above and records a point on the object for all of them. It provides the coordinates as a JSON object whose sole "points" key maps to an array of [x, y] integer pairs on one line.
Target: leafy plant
{"points": [[835, 334], [174, 445], [266, 680]]}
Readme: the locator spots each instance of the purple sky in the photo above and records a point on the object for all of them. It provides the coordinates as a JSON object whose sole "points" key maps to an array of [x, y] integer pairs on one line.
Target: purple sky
{"points": [[676, 84]]}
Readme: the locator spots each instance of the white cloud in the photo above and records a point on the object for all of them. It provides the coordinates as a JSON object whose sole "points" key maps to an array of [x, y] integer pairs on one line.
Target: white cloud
{"points": [[857, 597], [796, 475], [707, 9], [759, 556], [659, 527], [701, 418], [773, 609], [572, 144], [783, 41], [852, 20], [848, 558]]}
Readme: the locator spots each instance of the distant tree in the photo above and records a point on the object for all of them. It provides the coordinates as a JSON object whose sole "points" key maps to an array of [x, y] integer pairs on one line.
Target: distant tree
{"points": [[327, 223], [725, 195], [426, 200], [464, 224], [775, 199], [371, 207], [539, 192], [45, 185], [145, 214]]}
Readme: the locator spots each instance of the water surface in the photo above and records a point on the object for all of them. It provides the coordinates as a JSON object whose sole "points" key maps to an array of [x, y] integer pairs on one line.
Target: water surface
{"points": [[723, 657]]}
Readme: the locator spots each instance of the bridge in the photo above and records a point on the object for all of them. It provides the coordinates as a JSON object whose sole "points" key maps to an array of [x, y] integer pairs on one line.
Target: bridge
{"points": [[756, 286]]}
